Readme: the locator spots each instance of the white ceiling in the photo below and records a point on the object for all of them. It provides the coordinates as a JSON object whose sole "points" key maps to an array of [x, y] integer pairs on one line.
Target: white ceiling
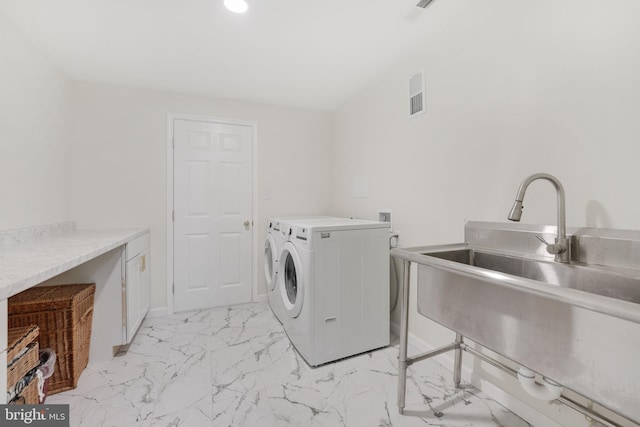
{"points": [[304, 53]]}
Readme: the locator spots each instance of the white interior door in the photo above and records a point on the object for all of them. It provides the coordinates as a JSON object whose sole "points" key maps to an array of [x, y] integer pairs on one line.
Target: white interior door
{"points": [[212, 214]]}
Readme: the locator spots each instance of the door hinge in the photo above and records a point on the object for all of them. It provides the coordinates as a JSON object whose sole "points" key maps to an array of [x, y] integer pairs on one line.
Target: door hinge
{"points": [[173, 288], [173, 216]]}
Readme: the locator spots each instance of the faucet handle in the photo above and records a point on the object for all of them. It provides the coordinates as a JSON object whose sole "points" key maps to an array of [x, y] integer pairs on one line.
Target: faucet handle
{"points": [[552, 248], [539, 237]]}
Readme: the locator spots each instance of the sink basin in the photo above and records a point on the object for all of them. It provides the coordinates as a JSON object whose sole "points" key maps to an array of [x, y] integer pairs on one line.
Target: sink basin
{"points": [[583, 278], [577, 324]]}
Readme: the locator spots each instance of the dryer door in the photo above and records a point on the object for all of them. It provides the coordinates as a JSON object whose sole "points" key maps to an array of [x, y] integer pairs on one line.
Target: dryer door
{"points": [[270, 262], [291, 279]]}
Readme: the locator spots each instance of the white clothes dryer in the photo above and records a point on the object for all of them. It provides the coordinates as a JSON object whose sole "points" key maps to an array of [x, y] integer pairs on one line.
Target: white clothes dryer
{"points": [[334, 285]]}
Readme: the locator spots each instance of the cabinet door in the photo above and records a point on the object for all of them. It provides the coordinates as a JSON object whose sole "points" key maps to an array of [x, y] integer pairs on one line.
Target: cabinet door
{"points": [[3, 377], [143, 306], [3, 324], [3, 352], [137, 285], [137, 292], [133, 296]]}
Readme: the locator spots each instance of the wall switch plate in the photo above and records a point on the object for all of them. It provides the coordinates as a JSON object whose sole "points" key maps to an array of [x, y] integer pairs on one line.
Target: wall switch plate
{"points": [[361, 187]]}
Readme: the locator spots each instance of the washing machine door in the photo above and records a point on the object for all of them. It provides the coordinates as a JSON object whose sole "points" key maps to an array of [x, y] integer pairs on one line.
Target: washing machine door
{"points": [[270, 262], [291, 279]]}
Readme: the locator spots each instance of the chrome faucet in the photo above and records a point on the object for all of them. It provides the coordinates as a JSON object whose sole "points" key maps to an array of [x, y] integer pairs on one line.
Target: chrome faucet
{"points": [[562, 246]]}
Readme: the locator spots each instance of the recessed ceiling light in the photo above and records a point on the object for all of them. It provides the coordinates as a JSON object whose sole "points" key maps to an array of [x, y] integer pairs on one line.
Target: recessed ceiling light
{"points": [[237, 6]]}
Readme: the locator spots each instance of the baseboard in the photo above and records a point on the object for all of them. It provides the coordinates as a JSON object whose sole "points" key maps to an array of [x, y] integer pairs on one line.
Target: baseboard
{"points": [[260, 298], [496, 393], [157, 312]]}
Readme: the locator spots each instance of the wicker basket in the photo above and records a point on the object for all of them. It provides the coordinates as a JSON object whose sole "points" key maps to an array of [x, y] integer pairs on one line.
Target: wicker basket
{"points": [[20, 367], [28, 395], [64, 314], [19, 338]]}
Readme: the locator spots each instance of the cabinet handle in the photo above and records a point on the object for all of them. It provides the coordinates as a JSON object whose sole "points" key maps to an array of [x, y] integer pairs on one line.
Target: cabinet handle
{"points": [[143, 263]]}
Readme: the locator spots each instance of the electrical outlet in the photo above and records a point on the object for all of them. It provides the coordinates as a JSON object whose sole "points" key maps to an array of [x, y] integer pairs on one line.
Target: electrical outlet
{"points": [[384, 215]]}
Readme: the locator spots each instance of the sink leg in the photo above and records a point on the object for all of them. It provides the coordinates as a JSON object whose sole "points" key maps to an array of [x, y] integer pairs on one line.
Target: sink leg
{"points": [[457, 367], [404, 330]]}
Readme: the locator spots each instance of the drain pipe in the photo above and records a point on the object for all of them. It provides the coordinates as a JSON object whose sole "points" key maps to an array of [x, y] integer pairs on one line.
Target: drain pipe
{"points": [[548, 391], [587, 412]]}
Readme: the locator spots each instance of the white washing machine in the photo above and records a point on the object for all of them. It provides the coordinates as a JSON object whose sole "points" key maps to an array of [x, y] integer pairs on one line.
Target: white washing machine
{"points": [[274, 241], [333, 281], [272, 247]]}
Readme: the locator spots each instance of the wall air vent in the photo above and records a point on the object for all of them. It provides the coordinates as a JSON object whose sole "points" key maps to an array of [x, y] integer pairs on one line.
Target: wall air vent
{"points": [[424, 3], [416, 94], [415, 12]]}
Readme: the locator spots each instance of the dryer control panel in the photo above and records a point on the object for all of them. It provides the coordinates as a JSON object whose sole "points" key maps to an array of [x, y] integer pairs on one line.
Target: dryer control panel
{"points": [[302, 234]]}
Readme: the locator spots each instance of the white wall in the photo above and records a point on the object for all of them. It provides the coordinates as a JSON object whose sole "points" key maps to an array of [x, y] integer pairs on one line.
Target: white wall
{"points": [[34, 152], [119, 158], [512, 88]]}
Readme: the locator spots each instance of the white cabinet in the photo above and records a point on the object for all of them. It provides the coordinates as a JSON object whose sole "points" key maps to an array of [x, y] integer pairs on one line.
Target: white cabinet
{"points": [[3, 324], [136, 290], [3, 351], [3, 377]]}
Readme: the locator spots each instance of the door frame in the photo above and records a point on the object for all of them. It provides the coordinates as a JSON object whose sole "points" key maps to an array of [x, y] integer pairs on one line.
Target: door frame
{"points": [[169, 214]]}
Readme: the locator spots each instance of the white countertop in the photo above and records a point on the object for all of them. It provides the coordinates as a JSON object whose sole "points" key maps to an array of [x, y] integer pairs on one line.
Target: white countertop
{"points": [[32, 261]]}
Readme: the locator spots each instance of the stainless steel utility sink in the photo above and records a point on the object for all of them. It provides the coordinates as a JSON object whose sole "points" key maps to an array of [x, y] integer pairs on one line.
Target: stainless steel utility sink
{"points": [[620, 284], [576, 323]]}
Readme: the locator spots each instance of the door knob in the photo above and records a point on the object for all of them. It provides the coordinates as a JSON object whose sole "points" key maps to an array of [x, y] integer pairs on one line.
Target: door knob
{"points": [[246, 224]]}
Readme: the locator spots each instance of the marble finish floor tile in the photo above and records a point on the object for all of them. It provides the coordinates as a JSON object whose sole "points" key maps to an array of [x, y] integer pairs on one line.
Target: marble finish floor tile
{"points": [[235, 366]]}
